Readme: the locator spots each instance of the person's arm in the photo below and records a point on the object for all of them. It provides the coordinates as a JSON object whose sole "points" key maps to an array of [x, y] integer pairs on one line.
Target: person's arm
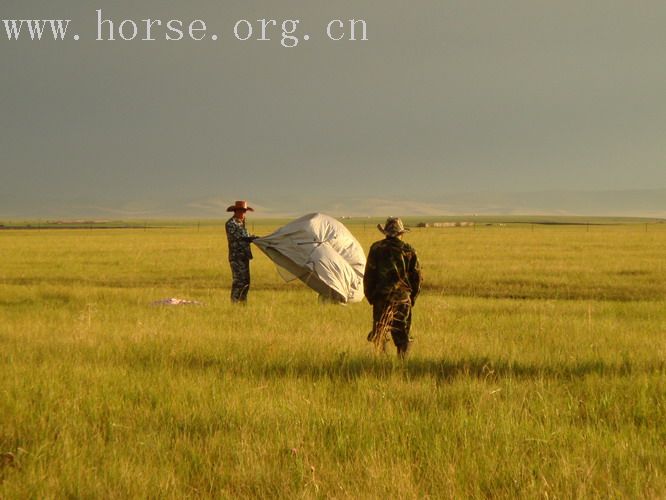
{"points": [[238, 232], [246, 236], [415, 277], [370, 277]]}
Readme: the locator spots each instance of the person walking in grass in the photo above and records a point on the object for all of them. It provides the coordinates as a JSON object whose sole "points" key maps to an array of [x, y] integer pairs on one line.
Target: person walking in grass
{"points": [[240, 253], [392, 281]]}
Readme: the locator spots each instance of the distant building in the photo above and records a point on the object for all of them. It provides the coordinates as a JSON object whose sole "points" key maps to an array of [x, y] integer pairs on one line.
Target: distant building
{"points": [[445, 224]]}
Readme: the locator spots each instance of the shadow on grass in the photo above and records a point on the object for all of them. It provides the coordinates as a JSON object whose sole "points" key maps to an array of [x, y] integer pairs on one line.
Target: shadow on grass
{"points": [[347, 368], [626, 291]]}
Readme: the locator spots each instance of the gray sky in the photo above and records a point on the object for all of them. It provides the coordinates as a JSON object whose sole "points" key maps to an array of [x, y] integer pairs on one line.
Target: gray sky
{"points": [[445, 97]]}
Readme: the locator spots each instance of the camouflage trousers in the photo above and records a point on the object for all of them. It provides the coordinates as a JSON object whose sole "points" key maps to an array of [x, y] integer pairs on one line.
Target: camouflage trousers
{"points": [[399, 315], [240, 280]]}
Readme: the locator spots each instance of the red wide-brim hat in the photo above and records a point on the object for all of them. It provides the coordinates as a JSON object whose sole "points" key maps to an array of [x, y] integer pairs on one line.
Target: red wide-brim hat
{"points": [[240, 205]]}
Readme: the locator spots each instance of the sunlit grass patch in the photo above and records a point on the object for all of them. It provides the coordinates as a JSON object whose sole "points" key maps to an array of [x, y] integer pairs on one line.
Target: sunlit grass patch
{"points": [[537, 370]]}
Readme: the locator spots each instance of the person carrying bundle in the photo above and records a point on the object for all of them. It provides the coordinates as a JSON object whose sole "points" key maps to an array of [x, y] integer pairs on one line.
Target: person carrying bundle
{"points": [[391, 282]]}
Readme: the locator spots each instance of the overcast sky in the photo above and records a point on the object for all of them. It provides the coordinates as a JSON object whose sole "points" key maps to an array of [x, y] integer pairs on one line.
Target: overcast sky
{"points": [[444, 97]]}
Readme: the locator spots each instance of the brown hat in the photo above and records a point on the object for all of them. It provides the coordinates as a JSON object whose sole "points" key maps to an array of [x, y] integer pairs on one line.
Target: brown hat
{"points": [[393, 227], [240, 205]]}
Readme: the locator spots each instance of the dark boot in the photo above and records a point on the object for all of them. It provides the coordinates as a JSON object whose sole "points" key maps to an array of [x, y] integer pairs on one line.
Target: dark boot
{"points": [[403, 350]]}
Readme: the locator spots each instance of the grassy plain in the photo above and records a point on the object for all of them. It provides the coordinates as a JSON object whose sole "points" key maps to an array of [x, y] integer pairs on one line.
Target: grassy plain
{"points": [[538, 370]]}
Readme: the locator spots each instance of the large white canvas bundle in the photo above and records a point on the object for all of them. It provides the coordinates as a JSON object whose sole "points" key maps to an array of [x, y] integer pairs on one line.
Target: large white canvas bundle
{"points": [[322, 253]]}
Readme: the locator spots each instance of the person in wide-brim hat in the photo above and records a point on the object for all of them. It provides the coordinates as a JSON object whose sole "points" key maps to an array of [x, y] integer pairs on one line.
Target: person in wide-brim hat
{"points": [[240, 253], [240, 205], [393, 227], [391, 283]]}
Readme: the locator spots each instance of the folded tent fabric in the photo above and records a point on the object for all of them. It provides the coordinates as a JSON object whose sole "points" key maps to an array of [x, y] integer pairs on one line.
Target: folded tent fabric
{"points": [[320, 251]]}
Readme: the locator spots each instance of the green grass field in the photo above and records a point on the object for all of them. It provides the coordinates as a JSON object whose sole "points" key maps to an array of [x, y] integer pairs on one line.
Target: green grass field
{"points": [[538, 370]]}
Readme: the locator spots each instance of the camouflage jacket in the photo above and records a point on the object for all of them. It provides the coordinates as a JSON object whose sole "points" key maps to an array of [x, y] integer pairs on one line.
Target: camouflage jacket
{"points": [[239, 240], [392, 272]]}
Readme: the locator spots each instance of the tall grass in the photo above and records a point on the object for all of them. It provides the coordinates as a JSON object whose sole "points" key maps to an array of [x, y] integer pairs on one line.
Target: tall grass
{"points": [[538, 369]]}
